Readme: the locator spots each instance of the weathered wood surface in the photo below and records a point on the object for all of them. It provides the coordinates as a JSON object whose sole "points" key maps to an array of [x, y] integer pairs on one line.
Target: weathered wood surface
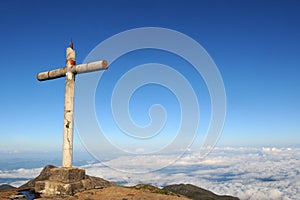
{"points": [[76, 69]]}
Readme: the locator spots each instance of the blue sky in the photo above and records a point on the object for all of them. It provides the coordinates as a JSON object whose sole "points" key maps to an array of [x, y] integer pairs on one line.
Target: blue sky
{"points": [[255, 45]]}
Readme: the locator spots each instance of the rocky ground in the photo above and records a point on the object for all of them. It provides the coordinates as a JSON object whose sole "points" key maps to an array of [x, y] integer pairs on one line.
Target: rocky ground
{"points": [[110, 191]]}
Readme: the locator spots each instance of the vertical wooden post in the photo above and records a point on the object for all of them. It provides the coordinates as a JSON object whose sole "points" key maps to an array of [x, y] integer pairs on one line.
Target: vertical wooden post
{"points": [[67, 156]]}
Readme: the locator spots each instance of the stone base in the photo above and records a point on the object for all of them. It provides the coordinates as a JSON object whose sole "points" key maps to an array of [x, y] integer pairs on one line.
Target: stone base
{"points": [[67, 175], [63, 181], [53, 188]]}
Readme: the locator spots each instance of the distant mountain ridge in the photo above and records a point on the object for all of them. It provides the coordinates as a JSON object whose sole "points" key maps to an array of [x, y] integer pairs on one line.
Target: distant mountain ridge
{"points": [[196, 193], [6, 187]]}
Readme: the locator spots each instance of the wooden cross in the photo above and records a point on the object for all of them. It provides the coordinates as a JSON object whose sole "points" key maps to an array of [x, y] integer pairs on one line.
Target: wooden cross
{"points": [[69, 71]]}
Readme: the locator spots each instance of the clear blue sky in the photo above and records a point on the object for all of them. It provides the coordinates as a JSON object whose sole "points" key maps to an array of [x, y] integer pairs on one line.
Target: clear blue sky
{"points": [[255, 44]]}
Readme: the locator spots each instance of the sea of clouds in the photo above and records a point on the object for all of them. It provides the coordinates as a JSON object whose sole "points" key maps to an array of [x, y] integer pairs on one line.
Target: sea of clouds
{"points": [[248, 173]]}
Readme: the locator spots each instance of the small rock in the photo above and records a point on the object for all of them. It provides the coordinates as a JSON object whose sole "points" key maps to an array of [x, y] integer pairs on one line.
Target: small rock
{"points": [[17, 196]]}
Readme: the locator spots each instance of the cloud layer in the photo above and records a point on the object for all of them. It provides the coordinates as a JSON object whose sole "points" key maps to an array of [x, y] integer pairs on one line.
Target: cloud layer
{"points": [[249, 173]]}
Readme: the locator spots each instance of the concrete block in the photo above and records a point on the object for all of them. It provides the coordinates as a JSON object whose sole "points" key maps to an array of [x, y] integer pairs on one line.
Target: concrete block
{"points": [[67, 175], [54, 188]]}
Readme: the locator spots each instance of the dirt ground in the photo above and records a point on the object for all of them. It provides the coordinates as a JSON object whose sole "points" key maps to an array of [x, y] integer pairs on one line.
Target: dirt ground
{"points": [[110, 193]]}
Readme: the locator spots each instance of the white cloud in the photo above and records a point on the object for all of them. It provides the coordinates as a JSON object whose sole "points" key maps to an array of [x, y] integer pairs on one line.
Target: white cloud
{"points": [[18, 183], [140, 163], [20, 173], [249, 173]]}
